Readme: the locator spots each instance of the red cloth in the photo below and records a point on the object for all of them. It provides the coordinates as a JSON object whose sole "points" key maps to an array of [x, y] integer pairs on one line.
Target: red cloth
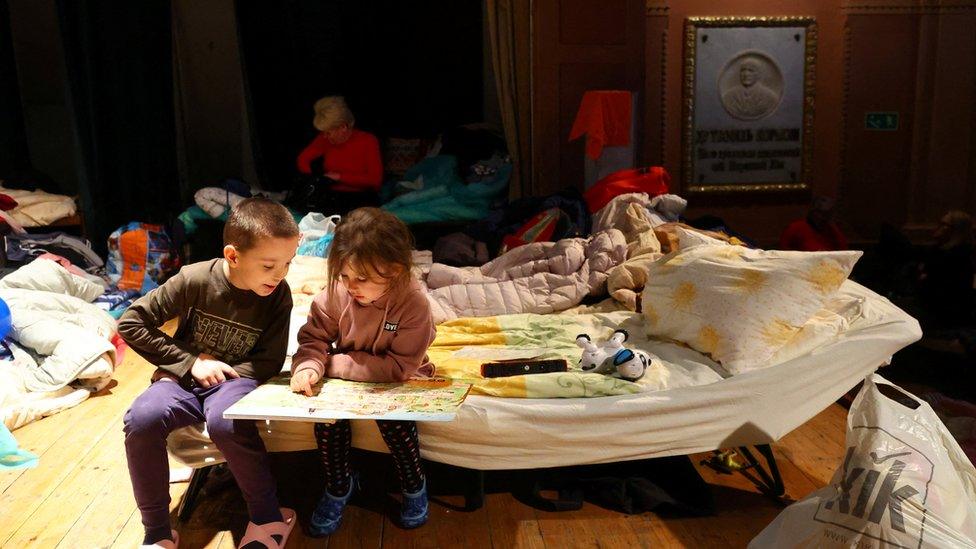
{"points": [[7, 202], [357, 161], [63, 262], [120, 347], [604, 116], [538, 229], [653, 181], [801, 236]]}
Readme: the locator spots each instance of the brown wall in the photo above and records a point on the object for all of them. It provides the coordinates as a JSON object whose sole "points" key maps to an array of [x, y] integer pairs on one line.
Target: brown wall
{"points": [[915, 58], [761, 217], [925, 68], [577, 45]]}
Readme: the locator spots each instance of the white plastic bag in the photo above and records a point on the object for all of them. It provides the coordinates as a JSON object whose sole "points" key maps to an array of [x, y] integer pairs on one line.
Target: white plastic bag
{"points": [[316, 225], [904, 482]]}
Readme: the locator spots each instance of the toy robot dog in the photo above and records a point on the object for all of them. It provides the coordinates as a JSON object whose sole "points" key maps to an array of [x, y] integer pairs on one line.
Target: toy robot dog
{"points": [[612, 357]]}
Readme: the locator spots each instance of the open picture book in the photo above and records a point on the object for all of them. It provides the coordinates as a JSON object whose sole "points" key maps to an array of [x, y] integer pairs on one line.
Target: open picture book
{"points": [[416, 400]]}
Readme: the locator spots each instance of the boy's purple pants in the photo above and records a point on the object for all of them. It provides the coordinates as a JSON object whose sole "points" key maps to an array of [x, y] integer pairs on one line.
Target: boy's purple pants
{"points": [[166, 406]]}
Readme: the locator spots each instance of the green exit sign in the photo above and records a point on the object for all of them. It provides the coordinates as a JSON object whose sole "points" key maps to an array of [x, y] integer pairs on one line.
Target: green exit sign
{"points": [[881, 121]]}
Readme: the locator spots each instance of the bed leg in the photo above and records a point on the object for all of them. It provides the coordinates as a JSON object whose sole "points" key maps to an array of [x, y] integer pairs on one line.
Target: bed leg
{"points": [[474, 494], [766, 478], [197, 479], [769, 482]]}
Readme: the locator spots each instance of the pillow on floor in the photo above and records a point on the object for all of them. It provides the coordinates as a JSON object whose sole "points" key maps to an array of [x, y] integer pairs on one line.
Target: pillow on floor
{"points": [[737, 305]]}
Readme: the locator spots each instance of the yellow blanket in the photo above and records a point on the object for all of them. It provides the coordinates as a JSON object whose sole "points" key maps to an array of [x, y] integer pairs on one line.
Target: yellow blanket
{"points": [[480, 340]]}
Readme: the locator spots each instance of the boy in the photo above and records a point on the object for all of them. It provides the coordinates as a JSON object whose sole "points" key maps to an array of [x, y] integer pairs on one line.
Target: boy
{"points": [[232, 336]]}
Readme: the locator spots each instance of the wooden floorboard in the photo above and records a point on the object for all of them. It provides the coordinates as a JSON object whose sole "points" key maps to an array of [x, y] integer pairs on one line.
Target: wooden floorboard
{"points": [[512, 525], [92, 424], [80, 496]]}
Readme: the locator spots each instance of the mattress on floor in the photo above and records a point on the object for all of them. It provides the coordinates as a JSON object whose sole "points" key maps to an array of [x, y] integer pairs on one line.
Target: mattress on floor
{"points": [[755, 407]]}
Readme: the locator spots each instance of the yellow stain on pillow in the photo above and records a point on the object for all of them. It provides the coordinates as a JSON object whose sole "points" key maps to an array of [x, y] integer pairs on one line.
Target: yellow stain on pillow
{"points": [[709, 340], [663, 265], [671, 262], [751, 281], [778, 333], [731, 253], [826, 276], [684, 294]]}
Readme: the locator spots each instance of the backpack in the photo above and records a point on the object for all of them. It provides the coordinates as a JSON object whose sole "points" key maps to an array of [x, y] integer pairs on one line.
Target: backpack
{"points": [[140, 257], [540, 228]]}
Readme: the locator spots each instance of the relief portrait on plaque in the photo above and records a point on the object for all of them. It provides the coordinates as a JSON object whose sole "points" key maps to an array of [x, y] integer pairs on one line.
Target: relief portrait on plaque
{"points": [[748, 103], [751, 86]]}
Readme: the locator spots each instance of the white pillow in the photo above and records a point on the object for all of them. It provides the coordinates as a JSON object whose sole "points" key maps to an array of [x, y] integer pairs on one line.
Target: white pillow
{"points": [[689, 239], [738, 305], [829, 322]]}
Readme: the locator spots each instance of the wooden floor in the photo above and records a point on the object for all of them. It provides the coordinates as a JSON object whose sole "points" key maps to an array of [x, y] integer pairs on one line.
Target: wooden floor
{"points": [[79, 496]]}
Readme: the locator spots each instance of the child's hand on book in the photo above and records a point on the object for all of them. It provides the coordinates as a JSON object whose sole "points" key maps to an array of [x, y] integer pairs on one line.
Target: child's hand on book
{"points": [[208, 371], [302, 381]]}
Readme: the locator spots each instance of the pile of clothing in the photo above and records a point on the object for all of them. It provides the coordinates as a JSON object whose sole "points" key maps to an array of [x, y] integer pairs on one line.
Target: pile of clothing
{"points": [[24, 208], [60, 349], [24, 248], [200, 226], [440, 194], [213, 202], [629, 232]]}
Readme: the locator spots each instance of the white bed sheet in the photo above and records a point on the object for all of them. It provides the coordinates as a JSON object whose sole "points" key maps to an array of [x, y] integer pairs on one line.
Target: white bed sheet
{"points": [[756, 407]]}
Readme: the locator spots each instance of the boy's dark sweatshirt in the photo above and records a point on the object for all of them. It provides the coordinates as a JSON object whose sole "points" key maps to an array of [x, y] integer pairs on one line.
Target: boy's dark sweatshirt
{"points": [[247, 331]]}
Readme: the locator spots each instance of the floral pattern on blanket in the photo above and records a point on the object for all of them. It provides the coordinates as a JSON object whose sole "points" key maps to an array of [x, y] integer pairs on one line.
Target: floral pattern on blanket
{"points": [[551, 336]]}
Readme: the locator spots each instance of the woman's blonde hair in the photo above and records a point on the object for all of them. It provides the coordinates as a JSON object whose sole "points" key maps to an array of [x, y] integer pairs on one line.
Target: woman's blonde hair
{"points": [[373, 242], [331, 112]]}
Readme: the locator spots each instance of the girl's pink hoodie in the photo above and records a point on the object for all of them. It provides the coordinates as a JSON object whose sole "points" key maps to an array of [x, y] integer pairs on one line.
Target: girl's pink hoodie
{"points": [[384, 341]]}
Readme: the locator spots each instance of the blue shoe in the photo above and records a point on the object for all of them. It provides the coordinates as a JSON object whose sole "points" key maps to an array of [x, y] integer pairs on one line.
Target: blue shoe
{"points": [[328, 513], [414, 510]]}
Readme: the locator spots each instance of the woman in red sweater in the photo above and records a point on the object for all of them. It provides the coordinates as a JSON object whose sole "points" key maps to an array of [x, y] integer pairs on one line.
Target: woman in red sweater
{"points": [[351, 167], [817, 232]]}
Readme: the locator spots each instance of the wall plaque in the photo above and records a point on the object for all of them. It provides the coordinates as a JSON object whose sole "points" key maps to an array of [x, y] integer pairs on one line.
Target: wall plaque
{"points": [[748, 105]]}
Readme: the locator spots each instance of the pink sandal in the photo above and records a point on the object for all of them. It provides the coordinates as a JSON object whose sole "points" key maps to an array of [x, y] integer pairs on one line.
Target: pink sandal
{"points": [[165, 544], [265, 533]]}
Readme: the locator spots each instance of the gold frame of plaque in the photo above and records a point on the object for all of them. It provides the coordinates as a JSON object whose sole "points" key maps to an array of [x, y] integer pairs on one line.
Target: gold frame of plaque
{"points": [[747, 101]]}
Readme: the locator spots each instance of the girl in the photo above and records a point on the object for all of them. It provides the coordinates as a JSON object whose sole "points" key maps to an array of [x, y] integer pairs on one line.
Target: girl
{"points": [[373, 323]]}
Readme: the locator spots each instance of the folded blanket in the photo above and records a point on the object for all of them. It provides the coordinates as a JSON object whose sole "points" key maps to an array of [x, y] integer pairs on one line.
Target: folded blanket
{"points": [[38, 208], [216, 201]]}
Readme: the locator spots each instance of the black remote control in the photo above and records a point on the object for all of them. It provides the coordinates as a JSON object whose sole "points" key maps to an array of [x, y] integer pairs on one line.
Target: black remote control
{"points": [[522, 367]]}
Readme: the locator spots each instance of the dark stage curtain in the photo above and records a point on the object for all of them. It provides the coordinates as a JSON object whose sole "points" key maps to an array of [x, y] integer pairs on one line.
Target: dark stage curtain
{"points": [[13, 137], [407, 69], [119, 62]]}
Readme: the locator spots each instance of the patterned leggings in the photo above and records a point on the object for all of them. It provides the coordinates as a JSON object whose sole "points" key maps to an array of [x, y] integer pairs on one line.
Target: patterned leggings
{"points": [[335, 439]]}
